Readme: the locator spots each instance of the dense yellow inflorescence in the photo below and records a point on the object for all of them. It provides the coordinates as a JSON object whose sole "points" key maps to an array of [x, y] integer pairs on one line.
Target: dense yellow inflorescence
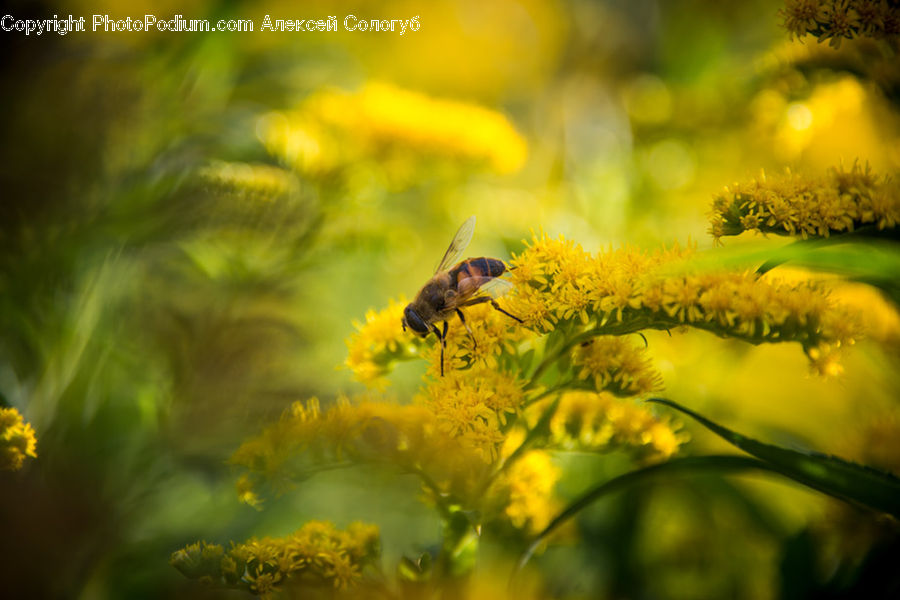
{"points": [[616, 364], [317, 555], [527, 491], [416, 438], [333, 129], [602, 422], [377, 343], [792, 204], [564, 291], [481, 435], [836, 20], [17, 440]]}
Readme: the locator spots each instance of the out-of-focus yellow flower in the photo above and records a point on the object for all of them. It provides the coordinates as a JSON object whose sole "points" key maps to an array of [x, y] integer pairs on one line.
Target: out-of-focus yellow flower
{"points": [[333, 129], [316, 554], [17, 440], [602, 422], [527, 491], [792, 204], [246, 494], [424, 437], [840, 19]]}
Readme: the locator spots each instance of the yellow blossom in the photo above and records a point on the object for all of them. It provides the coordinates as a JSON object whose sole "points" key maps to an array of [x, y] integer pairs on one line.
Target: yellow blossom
{"points": [[17, 440], [617, 365], [526, 491], [791, 204], [333, 129], [602, 422], [472, 406], [316, 554], [839, 19], [378, 342]]}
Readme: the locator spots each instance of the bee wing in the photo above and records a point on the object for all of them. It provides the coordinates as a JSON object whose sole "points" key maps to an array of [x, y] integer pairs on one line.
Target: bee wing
{"points": [[474, 287], [458, 245], [496, 287]]}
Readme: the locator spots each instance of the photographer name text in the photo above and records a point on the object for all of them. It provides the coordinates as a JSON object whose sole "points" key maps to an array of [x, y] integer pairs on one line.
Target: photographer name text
{"points": [[178, 23]]}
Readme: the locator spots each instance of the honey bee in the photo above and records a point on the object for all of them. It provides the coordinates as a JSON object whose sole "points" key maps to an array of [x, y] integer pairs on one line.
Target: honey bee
{"points": [[472, 281]]}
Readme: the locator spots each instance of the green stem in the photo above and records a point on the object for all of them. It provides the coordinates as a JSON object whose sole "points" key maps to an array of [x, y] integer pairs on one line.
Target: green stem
{"points": [[442, 507], [548, 392]]}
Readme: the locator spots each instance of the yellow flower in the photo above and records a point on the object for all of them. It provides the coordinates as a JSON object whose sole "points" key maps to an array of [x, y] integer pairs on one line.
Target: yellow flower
{"points": [[378, 342], [810, 207], [838, 19], [841, 21], [246, 494], [17, 440], [616, 365], [333, 129], [526, 491], [802, 16], [602, 422], [316, 554], [472, 405]]}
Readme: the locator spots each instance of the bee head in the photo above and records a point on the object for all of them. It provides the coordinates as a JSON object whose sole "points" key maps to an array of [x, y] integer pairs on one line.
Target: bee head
{"points": [[412, 320]]}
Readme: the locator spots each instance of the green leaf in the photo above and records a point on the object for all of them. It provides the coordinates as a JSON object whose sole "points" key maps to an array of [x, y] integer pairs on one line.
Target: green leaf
{"points": [[828, 474], [722, 464], [525, 361]]}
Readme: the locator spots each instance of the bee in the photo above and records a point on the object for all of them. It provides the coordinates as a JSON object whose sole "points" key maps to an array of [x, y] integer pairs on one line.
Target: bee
{"points": [[472, 281]]}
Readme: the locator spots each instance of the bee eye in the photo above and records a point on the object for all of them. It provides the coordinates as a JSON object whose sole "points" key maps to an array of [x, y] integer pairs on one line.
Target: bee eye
{"points": [[412, 319]]}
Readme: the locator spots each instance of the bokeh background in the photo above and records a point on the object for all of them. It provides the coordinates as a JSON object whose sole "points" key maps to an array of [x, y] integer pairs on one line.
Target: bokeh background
{"points": [[190, 223]]}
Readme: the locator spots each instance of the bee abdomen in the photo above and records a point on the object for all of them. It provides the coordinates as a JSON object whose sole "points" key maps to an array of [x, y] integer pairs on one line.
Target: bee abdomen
{"points": [[477, 267]]}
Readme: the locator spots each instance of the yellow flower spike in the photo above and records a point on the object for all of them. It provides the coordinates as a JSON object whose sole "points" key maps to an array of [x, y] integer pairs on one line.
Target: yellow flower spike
{"points": [[602, 422], [790, 204], [378, 342], [527, 491], [334, 129], [316, 554], [617, 365], [17, 440]]}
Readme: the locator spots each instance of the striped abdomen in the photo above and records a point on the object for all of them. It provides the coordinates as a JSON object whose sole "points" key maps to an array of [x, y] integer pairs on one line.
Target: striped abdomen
{"points": [[473, 273]]}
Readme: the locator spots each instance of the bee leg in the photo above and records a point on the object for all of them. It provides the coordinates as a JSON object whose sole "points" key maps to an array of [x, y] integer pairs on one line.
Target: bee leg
{"points": [[443, 339], [482, 299], [468, 329], [497, 306]]}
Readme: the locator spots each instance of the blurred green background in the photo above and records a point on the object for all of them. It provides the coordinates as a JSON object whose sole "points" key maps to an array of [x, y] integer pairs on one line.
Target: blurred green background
{"points": [[170, 281]]}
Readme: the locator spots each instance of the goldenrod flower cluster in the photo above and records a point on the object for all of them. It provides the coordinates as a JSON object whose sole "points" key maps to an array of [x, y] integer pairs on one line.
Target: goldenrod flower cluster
{"points": [[836, 20], [525, 491], [333, 129], [792, 204], [559, 285], [17, 441], [481, 436], [370, 356], [616, 364], [411, 437], [602, 422], [317, 555]]}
